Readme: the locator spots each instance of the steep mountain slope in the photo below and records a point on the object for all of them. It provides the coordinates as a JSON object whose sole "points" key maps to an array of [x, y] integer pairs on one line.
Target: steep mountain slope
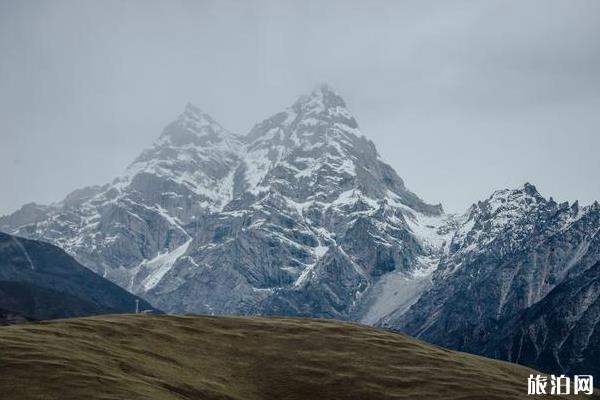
{"points": [[512, 262], [560, 333], [226, 358], [317, 219], [299, 217], [40, 281]]}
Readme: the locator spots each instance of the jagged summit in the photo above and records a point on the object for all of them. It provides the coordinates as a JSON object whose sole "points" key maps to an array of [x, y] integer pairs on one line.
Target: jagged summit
{"points": [[321, 99], [197, 118], [322, 112], [519, 281], [326, 105], [302, 217], [191, 109], [519, 200], [193, 127], [530, 187], [526, 189], [524, 205], [208, 221], [192, 112]]}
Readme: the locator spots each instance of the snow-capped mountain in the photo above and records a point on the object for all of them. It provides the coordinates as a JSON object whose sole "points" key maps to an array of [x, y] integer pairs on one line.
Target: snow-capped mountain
{"points": [[300, 216], [519, 282]]}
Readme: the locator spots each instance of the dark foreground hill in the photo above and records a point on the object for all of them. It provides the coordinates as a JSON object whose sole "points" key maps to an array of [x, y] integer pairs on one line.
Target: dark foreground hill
{"points": [[166, 357], [40, 281]]}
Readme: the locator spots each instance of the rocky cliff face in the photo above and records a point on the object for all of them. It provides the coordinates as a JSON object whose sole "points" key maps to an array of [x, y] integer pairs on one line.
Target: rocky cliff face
{"points": [[299, 217], [519, 282], [559, 333], [302, 217]]}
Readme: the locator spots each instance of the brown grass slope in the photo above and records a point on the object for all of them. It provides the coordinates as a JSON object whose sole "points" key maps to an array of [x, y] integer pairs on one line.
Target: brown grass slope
{"points": [[167, 357]]}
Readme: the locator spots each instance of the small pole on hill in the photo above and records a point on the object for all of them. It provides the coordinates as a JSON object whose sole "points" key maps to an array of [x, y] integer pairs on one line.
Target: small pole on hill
{"points": [[137, 306]]}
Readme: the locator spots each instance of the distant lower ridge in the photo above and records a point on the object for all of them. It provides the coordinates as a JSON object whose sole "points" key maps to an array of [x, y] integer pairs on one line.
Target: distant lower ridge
{"points": [[39, 281], [12, 318]]}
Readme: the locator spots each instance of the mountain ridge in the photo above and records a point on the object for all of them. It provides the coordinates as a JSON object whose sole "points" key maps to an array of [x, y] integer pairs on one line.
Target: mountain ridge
{"points": [[40, 281], [510, 257], [296, 184], [301, 217]]}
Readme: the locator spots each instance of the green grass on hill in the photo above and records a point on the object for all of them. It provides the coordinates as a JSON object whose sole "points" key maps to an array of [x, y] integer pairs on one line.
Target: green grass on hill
{"points": [[209, 358]]}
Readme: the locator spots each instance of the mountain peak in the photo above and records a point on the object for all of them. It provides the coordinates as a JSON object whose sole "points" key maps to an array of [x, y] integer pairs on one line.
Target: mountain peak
{"points": [[530, 189], [506, 195], [321, 99], [192, 109], [192, 126], [508, 205], [312, 116], [325, 90], [194, 116]]}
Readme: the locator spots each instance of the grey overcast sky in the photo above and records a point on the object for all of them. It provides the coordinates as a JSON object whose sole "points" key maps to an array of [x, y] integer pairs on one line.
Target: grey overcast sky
{"points": [[460, 97]]}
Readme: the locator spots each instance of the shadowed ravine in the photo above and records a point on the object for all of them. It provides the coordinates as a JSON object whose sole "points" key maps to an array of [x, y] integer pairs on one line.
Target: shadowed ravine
{"points": [[168, 357]]}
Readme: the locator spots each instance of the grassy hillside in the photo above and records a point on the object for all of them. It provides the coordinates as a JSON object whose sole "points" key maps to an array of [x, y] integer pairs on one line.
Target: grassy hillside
{"points": [[166, 357]]}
